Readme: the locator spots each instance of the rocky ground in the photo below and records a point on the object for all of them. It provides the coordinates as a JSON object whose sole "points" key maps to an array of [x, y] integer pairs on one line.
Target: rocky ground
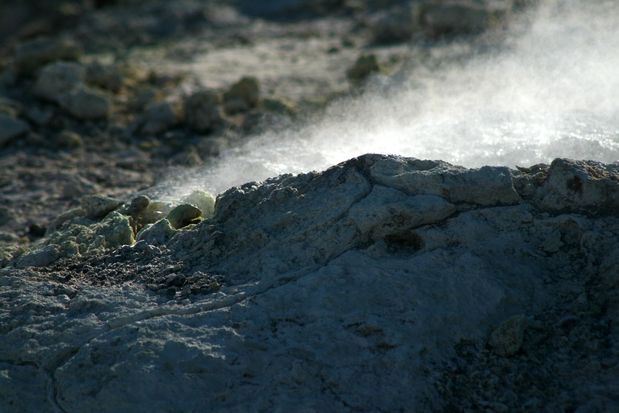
{"points": [[381, 284]]}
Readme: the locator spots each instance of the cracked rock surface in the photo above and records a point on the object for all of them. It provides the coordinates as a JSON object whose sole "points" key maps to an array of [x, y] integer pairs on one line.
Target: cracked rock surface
{"points": [[381, 284]]}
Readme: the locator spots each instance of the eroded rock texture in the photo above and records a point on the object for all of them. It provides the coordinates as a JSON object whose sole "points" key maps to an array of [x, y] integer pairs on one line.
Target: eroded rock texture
{"points": [[381, 284]]}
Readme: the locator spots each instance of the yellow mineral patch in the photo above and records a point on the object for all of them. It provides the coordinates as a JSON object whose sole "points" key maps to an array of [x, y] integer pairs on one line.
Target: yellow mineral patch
{"points": [[203, 200]]}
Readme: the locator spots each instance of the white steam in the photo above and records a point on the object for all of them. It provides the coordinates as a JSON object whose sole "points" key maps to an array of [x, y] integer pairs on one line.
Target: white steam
{"points": [[551, 91]]}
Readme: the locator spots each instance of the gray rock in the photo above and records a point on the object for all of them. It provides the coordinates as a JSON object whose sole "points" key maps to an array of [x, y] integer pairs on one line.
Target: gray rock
{"points": [[158, 233], [387, 211], [580, 186], [105, 76], [159, 117], [507, 338], [97, 206], [85, 103], [202, 111], [462, 17], [242, 95], [11, 128], [485, 186], [39, 257], [57, 79], [322, 300], [31, 55], [138, 204]]}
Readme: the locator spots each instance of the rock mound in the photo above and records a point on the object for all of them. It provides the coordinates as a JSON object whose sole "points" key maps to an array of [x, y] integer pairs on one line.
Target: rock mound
{"points": [[374, 285]]}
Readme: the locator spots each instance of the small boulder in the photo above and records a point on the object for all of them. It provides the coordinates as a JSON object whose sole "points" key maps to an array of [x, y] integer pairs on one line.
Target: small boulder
{"points": [[58, 78], [587, 187], [364, 66], [115, 230], [242, 96], [183, 215], [86, 104], [33, 54], [158, 117], [105, 76], [138, 204], [202, 111], [97, 206], [157, 233], [39, 257], [10, 128], [506, 340]]}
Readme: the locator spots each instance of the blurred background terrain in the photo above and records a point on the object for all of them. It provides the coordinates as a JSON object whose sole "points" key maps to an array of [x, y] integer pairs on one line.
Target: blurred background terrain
{"points": [[109, 96]]}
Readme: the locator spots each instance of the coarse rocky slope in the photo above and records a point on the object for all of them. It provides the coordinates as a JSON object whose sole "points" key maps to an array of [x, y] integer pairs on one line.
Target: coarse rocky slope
{"points": [[381, 284]]}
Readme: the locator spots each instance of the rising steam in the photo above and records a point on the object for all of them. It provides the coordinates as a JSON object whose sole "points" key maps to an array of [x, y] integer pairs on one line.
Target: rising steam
{"points": [[549, 91]]}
